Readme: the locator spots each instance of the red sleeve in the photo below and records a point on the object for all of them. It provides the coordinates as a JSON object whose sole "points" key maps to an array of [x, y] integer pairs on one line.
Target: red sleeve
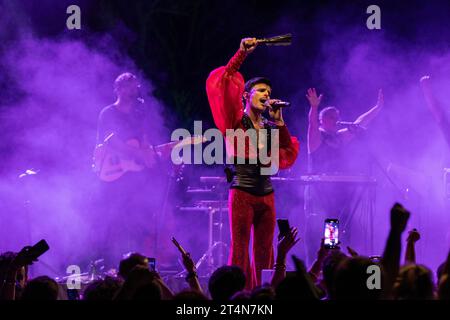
{"points": [[289, 147], [224, 87]]}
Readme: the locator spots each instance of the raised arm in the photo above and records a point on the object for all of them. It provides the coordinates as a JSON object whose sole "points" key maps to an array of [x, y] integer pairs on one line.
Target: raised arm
{"points": [[444, 281], [285, 244], [166, 292], [225, 87], [413, 237], [191, 278], [316, 267], [435, 108], [446, 271], [364, 119], [8, 285], [392, 250], [314, 139]]}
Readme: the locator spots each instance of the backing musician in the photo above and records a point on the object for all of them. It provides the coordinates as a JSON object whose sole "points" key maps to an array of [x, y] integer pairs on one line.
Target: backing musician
{"points": [[327, 143], [125, 163]]}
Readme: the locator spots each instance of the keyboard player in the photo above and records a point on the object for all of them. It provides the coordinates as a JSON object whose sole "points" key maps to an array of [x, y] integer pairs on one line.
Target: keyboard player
{"points": [[328, 138]]}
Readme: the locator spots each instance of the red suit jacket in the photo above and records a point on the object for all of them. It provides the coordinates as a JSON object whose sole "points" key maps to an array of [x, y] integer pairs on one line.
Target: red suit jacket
{"points": [[225, 87]]}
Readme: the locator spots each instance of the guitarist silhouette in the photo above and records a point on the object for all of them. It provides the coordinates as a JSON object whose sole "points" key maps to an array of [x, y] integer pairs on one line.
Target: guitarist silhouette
{"points": [[129, 168]]}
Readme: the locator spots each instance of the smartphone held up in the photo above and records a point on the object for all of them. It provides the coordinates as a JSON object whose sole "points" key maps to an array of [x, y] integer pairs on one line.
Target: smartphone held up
{"points": [[283, 227], [331, 233]]}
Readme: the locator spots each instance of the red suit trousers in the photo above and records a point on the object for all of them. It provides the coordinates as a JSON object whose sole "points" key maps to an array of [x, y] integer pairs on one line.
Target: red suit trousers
{"points": [[251, 215]]}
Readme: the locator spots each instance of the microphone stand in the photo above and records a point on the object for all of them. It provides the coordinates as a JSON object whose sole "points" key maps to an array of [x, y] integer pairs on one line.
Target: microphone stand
{"points": [[403, 193], [379, 165]]}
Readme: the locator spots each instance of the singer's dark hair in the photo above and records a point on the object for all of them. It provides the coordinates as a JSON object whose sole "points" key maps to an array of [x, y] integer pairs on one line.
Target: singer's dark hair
{"points": [[254, 81]]}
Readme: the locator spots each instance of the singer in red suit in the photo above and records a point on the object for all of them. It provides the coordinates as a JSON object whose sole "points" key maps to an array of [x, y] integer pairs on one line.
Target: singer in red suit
{"points": [[236, 104]]}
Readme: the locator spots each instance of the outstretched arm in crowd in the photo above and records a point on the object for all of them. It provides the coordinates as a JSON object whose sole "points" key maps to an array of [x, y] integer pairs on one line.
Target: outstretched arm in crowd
{"points": [[310, 291], [166, 293], [323, 252], [392, 251], [191, 278], [352, 252], [444, 281], [8, 285], [413, 237], [285, 244], [447, 265], [316, 267], [19, 262]]}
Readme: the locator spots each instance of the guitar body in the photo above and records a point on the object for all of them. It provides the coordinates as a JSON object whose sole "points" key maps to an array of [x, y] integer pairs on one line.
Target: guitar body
{"points": [[110, 165]]}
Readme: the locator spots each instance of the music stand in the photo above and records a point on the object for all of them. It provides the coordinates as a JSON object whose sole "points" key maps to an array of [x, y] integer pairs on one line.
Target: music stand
{"points": [[208, 256], [215, 209]]}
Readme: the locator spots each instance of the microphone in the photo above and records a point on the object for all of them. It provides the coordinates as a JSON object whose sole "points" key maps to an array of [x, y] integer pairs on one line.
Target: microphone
{"points": [[345, 123], [282, 40], [277, 104], [140, 105], [350, 125]]}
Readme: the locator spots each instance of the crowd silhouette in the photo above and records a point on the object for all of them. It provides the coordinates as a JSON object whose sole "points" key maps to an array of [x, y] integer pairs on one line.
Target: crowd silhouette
{"points": [[334, 275]]}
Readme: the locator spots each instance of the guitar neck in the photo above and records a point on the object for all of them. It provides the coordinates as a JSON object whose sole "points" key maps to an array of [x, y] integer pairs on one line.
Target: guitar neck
{"points": [[166, 147]]}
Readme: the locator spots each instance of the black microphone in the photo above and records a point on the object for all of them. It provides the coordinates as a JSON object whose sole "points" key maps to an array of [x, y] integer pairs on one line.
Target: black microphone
{"points": [[277, 104], [351, 125], [283, 40], [345, 123]]}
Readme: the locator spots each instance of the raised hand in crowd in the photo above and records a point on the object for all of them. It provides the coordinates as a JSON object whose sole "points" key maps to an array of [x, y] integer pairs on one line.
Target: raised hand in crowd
{"points": [[16, 272], [190, 268], [413, 237], [191, 277], [391, 256], [317, 264], [352, 252], [285, 244], [444, 280]]}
